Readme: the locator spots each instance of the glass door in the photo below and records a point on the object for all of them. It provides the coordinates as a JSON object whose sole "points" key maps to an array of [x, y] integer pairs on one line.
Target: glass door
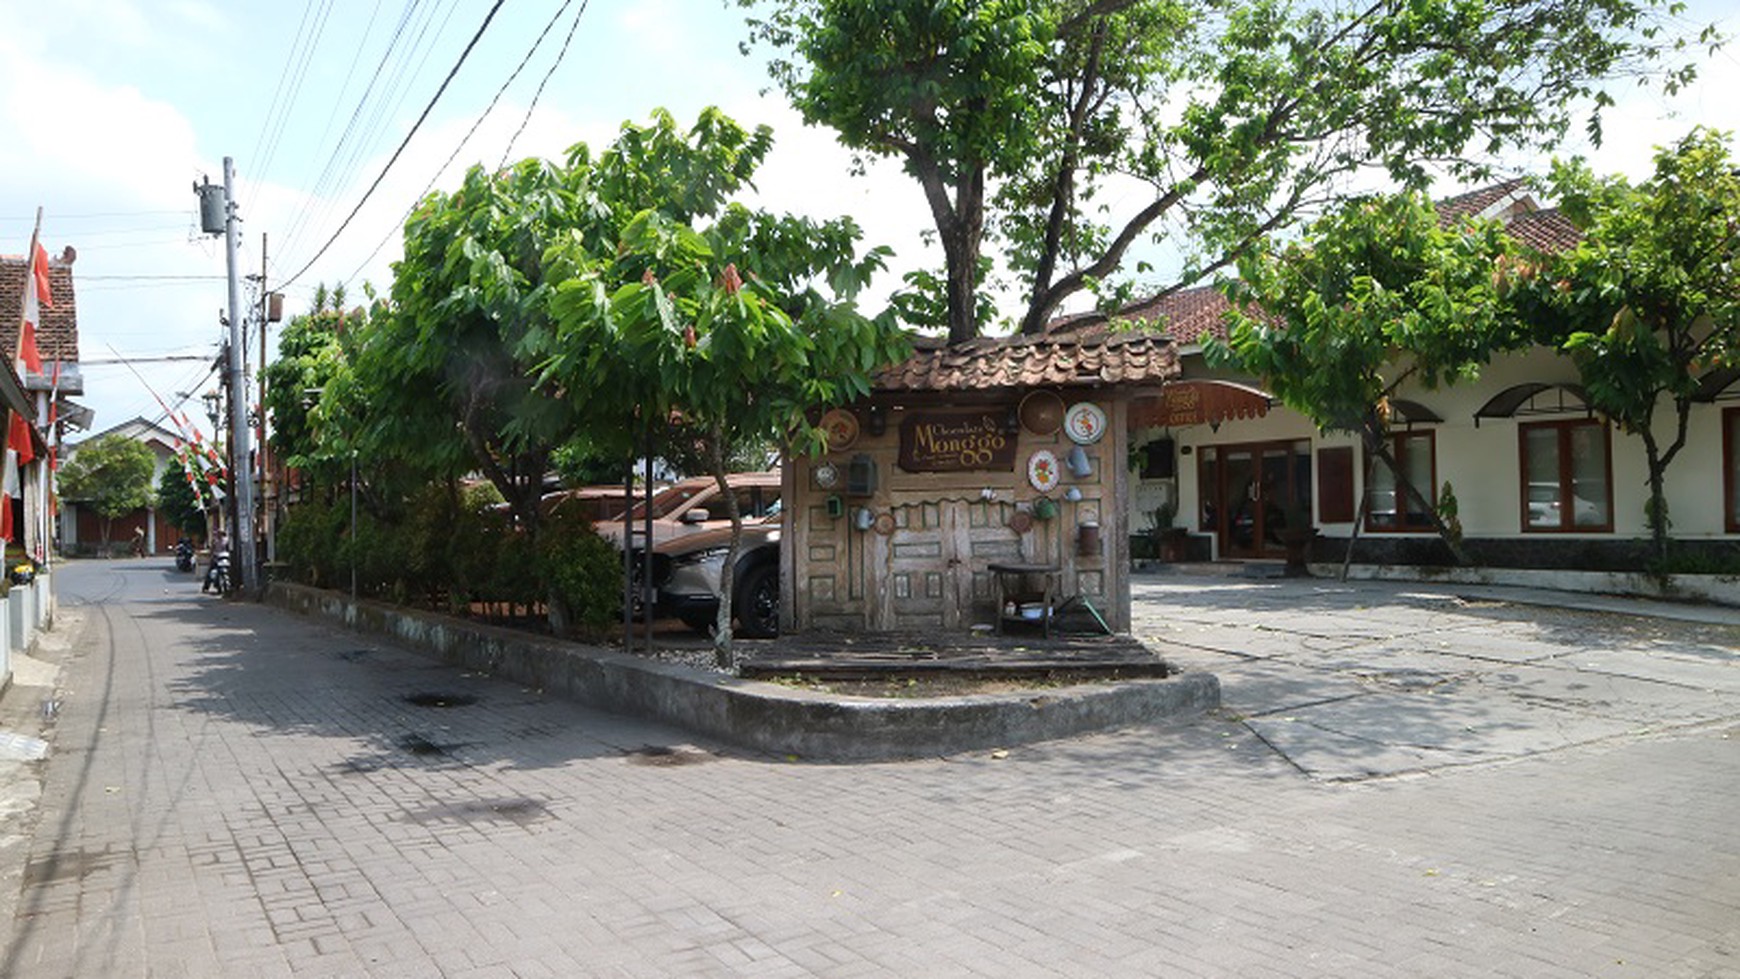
{"points": [[1253, 492]]}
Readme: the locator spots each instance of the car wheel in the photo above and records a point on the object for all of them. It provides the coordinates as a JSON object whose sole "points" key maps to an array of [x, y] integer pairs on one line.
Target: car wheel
{"points": [[758, 603]]}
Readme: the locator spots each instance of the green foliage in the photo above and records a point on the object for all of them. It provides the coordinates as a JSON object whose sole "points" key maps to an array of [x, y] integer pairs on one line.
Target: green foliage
{"points": [[1377, 292], [111, 474], [1450, 512], [311, 430], [179, 504], [1239, 116], [448, 549], [719, 324], [1648, 301], [583, 568]]}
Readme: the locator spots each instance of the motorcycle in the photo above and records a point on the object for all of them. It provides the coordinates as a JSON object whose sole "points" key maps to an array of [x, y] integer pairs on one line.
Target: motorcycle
{"points": [[218, 577], [183, 555]]}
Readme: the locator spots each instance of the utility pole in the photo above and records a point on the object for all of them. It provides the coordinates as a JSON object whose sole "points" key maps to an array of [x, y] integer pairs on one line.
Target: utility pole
{"points": [[266, 501], [218, 214]]}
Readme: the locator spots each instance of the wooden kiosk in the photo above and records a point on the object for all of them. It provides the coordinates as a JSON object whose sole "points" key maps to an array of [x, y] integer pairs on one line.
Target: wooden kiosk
{"points": [[980, 485]]}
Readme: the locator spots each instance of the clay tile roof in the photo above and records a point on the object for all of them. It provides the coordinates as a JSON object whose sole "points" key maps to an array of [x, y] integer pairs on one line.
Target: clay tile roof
{"points": [[57, 336], [990, 363], [1475, 202], [1185, 316], [1547, 230]]}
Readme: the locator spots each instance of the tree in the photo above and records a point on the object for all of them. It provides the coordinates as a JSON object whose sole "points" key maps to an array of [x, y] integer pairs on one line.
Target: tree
{"points": [[311, 356], [112, 475], [1233, 118], [720, 322], [1376, 294], [1649, 300], [179, 503]]}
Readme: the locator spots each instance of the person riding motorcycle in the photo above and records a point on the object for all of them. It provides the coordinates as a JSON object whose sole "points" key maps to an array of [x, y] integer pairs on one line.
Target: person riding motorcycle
{"points": [[217, 574], [184, 555]]}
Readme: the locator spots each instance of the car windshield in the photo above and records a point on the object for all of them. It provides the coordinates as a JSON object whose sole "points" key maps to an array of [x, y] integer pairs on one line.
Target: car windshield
{"points": [[667, 500]]}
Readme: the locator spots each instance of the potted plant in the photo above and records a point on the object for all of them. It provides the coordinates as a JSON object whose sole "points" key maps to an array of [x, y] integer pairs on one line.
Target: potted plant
{"points": [[1170, 542]]}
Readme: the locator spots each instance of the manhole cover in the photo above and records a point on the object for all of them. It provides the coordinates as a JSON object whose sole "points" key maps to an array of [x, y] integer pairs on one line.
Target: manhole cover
{"points": [[440, 699], [667, 756], [521, 812]]}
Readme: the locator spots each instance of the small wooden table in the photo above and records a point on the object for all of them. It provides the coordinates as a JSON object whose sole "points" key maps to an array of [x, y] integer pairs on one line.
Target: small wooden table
{"points": [[1016, 586]]}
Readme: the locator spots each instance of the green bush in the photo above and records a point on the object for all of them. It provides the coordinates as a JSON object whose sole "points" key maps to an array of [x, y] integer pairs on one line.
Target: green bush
{"points": [[449, 549], [583, 570]]}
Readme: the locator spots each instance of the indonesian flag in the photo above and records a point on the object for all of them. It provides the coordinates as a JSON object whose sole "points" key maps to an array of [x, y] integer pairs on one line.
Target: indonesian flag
{"points": [[18, 440], [37, 297], [10, 484]]}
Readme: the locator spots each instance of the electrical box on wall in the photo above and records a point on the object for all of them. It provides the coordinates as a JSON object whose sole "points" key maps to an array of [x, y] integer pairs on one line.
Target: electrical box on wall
{"points": [[861, 476], [1160, 459]]}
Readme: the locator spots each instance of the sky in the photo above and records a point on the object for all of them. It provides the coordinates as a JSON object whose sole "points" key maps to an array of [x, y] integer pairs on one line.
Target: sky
{"points": [[116, 108]]}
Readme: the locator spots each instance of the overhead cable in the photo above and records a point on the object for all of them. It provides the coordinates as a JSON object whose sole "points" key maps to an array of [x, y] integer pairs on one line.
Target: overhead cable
{"points": [[406, 142]]}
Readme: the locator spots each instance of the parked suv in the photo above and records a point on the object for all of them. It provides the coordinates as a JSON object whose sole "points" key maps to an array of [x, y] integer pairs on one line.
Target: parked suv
{"points": [[694, 505], [686, 570]]}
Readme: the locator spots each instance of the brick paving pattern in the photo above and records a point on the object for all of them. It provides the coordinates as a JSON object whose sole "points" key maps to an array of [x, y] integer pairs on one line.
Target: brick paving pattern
{"points": [[1399, 785]]}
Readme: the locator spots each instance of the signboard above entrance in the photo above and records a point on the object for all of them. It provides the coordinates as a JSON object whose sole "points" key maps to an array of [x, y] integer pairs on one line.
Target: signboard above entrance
{"points": [[1183, 403], [956, 441]]}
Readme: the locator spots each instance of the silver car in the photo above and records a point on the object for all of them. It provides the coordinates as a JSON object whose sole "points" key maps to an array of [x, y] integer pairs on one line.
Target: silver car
{"points": [[687, 570]]}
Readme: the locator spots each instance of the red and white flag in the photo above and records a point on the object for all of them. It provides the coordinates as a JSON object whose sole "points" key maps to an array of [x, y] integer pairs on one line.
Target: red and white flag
{"points": [[37, 297]]}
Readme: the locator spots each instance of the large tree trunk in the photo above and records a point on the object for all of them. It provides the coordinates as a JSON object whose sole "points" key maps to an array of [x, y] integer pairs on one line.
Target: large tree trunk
{"points": [[1656, 510]]}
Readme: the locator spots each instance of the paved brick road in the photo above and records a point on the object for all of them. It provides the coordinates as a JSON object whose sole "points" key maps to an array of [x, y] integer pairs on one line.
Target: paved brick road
{"points": [[234, 792]]}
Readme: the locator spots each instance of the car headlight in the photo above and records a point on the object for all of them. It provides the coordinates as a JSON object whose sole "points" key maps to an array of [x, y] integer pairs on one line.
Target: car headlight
{"points": [[708, 555]]}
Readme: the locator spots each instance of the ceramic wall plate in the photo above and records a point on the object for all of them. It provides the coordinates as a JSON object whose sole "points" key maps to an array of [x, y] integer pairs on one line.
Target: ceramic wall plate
{"points": [[842, 428], [827, 475], [1085, 423], [1021, 522], [1043, 470], [884, 524], [1041, 412]]}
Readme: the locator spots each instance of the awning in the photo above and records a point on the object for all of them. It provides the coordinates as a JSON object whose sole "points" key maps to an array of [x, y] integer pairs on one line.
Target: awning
{"points": [[1535, 398], [1718, 385], [1411, 413], [1183, 403]]}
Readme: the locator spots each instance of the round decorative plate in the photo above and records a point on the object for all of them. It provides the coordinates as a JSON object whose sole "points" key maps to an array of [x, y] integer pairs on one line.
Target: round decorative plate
{"points": [[1085, 423], [884, 524], [1041, 412], [1043, 471], [1021, 522], [842, 428], [827, 475]]}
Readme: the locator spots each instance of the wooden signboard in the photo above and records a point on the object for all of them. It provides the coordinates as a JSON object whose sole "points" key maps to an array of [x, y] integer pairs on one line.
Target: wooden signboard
{"points": [[956, 441]]}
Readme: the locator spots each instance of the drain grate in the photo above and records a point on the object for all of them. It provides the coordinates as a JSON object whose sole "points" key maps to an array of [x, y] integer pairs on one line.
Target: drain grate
{"points": [[433, 699], [420, 746]]}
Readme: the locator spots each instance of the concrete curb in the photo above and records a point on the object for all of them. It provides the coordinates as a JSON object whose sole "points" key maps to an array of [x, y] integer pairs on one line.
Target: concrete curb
{"points": [[764, 716], [1721, 590]]}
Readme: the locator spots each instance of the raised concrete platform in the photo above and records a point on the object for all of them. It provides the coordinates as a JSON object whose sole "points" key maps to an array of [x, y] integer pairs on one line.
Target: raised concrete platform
{"points": [[764, 716]]}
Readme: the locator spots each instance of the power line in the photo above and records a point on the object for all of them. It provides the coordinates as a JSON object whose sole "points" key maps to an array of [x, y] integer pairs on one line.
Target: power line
{"points": [[406, 142], [530, 52], [149, 278], [301, 72], [350, 127], [545, 80]]}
